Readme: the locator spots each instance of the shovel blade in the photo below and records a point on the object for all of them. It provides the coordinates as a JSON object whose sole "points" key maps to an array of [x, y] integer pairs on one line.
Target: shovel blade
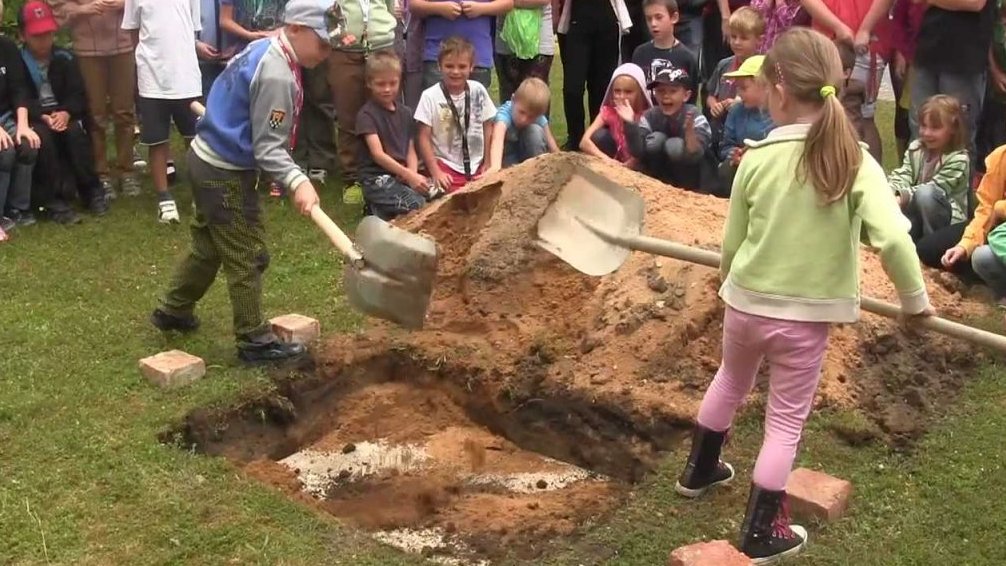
{"points": [[590, 204], [397, 282]]}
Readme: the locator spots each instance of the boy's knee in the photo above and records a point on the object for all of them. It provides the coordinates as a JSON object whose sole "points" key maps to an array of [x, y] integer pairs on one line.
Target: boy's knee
{"points": [[605, 142], [26, 155], [985, 263], [533, 140], [674, 149], [655, 142]]}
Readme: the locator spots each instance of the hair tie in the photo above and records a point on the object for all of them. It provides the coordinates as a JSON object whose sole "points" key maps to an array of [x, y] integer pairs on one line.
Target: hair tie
{"points": [[827, 90]]}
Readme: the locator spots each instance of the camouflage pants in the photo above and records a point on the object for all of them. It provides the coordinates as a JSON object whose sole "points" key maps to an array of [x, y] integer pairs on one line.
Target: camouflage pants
{"points": [[227, 232]]}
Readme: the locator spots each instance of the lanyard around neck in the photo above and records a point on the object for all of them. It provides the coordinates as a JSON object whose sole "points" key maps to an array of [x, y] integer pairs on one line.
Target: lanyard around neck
{"points": [[465, 154]]}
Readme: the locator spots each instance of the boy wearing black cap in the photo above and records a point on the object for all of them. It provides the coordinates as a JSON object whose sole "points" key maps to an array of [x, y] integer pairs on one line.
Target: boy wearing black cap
{"points": [[671, 138]]}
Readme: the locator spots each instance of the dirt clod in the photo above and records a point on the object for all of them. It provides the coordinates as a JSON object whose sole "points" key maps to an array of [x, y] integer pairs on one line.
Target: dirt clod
{"points": [[349, 448]]}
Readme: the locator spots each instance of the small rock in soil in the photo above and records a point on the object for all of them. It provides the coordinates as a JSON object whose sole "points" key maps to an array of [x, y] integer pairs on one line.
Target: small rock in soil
{"points": [[349, 448], [344, 474], [657, 283], [588, 343], [532, 505], [542, 484]]}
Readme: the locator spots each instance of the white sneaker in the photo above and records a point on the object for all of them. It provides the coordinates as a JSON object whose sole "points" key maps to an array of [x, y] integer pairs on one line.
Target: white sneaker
{"points": [[167, 212], [317, 176]]}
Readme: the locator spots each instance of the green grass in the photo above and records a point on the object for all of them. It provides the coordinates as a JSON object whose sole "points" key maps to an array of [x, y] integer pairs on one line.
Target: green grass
{"points": [[83, 479]]}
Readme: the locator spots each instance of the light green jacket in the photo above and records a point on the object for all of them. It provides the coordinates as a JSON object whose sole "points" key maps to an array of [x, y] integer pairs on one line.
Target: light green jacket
{"points": [[786, 255]]}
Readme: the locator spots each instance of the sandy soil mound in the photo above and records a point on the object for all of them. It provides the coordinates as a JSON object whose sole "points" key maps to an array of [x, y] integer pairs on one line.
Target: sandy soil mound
{"points": [[646, 338]]}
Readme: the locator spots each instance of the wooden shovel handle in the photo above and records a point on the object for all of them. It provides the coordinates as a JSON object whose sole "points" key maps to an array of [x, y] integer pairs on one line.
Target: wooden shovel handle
{"points": [[338, 237], [709, 258]]}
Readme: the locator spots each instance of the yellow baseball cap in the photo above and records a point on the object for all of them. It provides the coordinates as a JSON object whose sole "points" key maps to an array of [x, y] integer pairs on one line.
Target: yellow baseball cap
{"points": [[751, 67]]}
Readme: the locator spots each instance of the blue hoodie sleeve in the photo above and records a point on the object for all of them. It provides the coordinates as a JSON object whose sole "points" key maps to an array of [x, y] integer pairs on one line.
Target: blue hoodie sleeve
{"points": [[731, 133]]}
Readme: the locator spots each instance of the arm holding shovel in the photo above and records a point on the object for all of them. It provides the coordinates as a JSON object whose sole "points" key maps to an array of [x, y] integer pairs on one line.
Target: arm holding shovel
{"points": [[271, 97]]}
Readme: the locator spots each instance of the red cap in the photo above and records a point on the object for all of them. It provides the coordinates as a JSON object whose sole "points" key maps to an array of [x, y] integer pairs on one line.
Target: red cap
{"points": [[37, 18]]}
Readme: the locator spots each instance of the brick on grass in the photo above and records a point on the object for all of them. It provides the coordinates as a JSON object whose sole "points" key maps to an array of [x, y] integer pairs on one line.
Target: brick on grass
{"points": [[817, 495], [173, 368], [296, 328], [715, 553]]}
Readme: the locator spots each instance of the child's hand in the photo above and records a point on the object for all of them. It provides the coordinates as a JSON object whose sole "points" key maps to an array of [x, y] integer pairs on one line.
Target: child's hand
{"points": [[953, 255], [305, 198], [26, 134], [736, 155], [691, 138], [903, 199], [717, 109], [625, 111], [861, 42], [491, 169], [910, 322], [6, 142], [900, 65], [348, 39], [472, 9], [442, 180], [417, 182]]}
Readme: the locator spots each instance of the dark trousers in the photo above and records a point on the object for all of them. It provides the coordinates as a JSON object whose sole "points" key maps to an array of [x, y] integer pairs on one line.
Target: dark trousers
{"points": [[991, 127], [210, 70], [316, 144], [932, 247], [227, 232], [589, 53], [511, 71], [638, 33], [65, 167]]}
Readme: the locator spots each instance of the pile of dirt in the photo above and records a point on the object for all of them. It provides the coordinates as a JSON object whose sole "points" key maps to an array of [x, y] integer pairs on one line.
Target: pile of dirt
{"points": [[645, 339]]}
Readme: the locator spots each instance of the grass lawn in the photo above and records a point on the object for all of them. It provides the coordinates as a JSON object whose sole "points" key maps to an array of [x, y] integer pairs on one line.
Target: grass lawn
{"points": [[83, 479]]}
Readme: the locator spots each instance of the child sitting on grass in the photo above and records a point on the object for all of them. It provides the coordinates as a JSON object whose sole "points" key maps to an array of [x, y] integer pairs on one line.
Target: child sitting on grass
{"points": [[745, 121], [521, 131], [388, 166], [746, 30], [933, 181], [455, 119], [672, 137], [625, 101]]}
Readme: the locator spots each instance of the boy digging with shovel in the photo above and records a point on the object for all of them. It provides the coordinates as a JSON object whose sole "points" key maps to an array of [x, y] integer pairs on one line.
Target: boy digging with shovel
{"points": [[250, 125]]}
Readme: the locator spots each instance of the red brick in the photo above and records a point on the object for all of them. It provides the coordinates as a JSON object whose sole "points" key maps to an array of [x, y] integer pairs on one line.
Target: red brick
{"points": [[296, 328], [172, 369], [817, 495], [715, 553]]}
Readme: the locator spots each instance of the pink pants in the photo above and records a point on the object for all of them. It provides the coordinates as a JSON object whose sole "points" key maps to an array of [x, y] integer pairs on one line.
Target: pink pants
{"points": [[795, 352]]}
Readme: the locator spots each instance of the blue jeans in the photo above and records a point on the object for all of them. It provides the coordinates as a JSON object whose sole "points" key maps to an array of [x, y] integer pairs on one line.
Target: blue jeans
{"points": [[388, 197], [16, 167], [929, 210], [968, 89], [521, 145], [991, 269], [432, 76]]}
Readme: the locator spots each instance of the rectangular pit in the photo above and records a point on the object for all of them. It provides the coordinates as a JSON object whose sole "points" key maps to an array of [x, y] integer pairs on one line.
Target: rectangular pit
{"points": [[427, 459]]}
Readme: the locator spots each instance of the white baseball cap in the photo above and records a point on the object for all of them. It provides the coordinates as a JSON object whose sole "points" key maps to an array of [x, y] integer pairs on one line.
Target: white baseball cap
{"points": [[312, 14]]}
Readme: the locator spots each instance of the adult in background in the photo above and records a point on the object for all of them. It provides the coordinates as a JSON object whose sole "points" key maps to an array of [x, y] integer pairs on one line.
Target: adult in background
{"points": [[105, 57], [590, 34], [247, 20], [369, 27], [952, 57], [213, 59], [524, 51]]}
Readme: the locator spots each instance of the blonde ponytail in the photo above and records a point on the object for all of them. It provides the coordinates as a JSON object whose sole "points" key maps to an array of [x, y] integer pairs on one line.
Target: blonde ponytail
{"points": [[808, 66]]}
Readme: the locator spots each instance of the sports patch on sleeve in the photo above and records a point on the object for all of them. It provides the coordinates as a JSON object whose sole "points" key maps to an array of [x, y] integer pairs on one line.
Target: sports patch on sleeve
{"points": [[276, 118]]}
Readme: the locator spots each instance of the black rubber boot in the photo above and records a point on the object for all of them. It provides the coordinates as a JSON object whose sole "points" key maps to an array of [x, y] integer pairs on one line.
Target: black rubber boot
{"points": [[704, 468], [766, 535], [269, 352], [167, 322]]}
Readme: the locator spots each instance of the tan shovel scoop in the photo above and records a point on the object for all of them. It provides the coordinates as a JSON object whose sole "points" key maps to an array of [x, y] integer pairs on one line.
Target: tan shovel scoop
{"points": [[390, 271], [594, 224]]}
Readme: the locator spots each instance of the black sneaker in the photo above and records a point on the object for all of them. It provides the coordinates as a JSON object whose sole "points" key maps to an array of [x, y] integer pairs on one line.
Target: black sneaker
{"points": [[98, 206], [766, 535], [65, 216], [269, 352], [704, 468], [7, 224], [167, 322], [22, 218]]}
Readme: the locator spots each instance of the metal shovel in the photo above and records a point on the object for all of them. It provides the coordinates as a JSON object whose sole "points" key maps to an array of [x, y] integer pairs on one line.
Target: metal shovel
{"points": [[594, 224], [390, 271]]}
